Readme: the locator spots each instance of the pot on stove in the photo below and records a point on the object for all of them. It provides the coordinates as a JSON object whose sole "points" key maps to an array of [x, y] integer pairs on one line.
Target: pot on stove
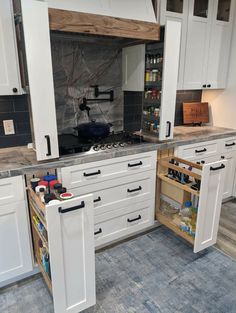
{"points": [[93, 130]]}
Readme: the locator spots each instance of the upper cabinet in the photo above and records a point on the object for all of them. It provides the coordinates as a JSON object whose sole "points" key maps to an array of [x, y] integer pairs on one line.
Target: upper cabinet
{"points": [[205, 40], [10, 83], [39, 67]]}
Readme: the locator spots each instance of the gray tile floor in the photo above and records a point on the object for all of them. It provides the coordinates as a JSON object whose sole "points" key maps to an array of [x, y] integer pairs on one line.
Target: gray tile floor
{"points": [[156, 272]]}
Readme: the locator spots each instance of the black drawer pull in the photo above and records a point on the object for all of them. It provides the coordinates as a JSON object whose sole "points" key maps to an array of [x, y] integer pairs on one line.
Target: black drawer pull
{"points": [[134, 219], [135, 164], [133, 190], [47, 137], [169, 129], [204, 86], [98, 232], [230, 144], [199, 151], [77, 207], [97, 200], [217, 168], [92, 174], [209, 86]]}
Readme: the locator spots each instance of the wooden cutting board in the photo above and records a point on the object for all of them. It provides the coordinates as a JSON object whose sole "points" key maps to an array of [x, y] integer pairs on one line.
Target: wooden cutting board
{"points": [[195, 112]]}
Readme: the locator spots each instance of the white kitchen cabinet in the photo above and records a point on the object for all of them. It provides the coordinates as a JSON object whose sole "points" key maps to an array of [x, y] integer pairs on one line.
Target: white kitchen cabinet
{"points": [[10, 81], [16, 258], [133, 68], [176, 11], [68, 240], [207, 45], [208, 198], [40, 76]]}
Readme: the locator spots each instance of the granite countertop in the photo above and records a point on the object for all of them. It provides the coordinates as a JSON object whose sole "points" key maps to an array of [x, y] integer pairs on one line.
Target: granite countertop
{"points": [[21, 160]]}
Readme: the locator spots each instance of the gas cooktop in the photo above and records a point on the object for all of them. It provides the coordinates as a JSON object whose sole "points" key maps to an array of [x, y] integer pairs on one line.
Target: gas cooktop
{"points": [[70, 143]]}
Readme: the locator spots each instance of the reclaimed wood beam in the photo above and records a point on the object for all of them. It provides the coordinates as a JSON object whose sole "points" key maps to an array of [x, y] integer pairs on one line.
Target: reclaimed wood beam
{"points": [[87, 23]]}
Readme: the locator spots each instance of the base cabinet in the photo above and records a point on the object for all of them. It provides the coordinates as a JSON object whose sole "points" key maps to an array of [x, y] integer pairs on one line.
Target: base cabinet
{"points": [[204, 188], [15, 257], [66, 241]]}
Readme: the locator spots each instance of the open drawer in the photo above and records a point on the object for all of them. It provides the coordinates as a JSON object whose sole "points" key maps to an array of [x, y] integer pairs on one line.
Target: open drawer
{"points": [[180, 181], [63, 237]]}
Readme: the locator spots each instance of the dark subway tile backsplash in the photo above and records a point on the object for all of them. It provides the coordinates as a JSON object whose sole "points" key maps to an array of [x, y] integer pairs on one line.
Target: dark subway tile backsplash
{"points": [[15, 108]]}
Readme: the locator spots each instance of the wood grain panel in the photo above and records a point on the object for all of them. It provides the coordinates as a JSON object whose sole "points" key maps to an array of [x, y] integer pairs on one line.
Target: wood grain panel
{"points": [[195, 112], [86, 23]]}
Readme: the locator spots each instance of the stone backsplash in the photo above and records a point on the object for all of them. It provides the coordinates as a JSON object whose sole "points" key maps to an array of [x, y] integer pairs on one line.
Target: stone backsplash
{"points": [[78, 65]]}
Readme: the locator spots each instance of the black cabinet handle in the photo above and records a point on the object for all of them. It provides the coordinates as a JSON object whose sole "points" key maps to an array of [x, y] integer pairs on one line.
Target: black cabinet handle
{"points": [[15, 90], [222, 157], [98, 232], [47, 137], [199, 151], [133, 190], [135, 219], [169, 128], [135, 164], [97, 200], [203, 162], [230, 144], [77, 207], [209, 86], [198, 162], [217, 168], [92, 174], [204, 86]]}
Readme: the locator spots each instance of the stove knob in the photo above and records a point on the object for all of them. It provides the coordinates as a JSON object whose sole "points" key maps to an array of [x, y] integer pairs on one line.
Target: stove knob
{"points": [[96, 148], [122, 144], [109, 146], [103, 147], [115, 145]]}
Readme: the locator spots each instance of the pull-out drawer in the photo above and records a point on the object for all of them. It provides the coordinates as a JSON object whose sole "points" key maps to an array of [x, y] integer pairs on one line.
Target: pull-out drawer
{"points": [[11, 189], [113, 194], [108, 228], [95, 172], [203, 186], [228, 145], [199, 150]]}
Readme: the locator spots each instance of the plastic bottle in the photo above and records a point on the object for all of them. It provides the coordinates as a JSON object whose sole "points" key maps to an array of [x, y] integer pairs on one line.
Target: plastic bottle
{"points": [[187, 210]]}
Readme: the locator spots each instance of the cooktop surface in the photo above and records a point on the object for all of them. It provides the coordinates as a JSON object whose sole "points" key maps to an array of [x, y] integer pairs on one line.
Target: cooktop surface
{"points": [[70, 143]]}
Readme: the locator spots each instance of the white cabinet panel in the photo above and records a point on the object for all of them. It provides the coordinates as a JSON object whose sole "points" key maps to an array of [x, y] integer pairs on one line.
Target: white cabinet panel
{"points": [[15, 258], [209, 208], [10, 83], [11, 190], [133, 68], [72, 259], [39, 67], [169, 80]]}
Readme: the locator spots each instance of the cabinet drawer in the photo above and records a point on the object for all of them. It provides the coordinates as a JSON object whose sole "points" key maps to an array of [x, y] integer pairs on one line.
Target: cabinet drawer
{"points": [[203, 149], [117, 193], [90, 173], [123, 223], [228, 145], [11, 189]]}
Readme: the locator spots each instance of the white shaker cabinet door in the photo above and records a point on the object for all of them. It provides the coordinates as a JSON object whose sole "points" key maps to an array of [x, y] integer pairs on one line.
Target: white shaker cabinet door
{"points": [[9, 68], [15, 257], [39, 67], [209, 208], [133, 68], [72, 257], [170, 77]]}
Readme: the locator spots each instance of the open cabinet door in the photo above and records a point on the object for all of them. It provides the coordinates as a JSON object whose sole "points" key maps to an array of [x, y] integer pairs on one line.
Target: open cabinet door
{"points": [[72, 257], [212, 185], [40, 75]]}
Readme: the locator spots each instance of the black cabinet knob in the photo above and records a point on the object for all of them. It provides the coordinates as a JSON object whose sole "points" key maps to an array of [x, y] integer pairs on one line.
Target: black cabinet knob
{"points": [[203, 162], [222, 157], [15, 90], [209, 86], [204, 86]]}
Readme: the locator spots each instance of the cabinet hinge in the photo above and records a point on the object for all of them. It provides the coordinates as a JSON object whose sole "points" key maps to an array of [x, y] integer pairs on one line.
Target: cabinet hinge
{"points": [[18, 18]]}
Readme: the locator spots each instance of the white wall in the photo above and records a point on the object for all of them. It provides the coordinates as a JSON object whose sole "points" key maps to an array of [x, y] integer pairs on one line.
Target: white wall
{"points": [[223, 102]]}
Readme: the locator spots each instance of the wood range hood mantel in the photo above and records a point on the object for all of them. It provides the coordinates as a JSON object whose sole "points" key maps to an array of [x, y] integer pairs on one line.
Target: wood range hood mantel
{"points": [[94, 24]]}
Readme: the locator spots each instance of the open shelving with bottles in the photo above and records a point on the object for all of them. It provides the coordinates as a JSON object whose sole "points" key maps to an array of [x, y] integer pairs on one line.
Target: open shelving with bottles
{"points": [[152, 87], [188, 199]]}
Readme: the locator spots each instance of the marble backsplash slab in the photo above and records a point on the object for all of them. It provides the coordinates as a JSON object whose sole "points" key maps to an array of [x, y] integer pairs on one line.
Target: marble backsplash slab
{"points": [[76, 67]]}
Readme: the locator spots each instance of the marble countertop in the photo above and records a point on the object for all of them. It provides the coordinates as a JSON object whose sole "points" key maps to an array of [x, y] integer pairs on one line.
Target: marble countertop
{"points": [[20, 160]]}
